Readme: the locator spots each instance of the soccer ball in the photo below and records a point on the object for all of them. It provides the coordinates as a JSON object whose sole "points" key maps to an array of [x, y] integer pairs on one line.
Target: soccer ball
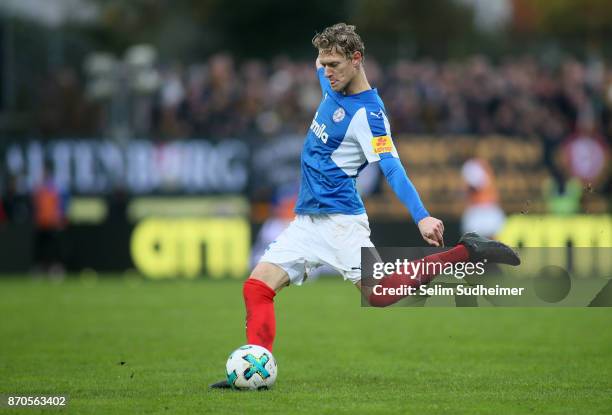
{"points": [[251, 367]]}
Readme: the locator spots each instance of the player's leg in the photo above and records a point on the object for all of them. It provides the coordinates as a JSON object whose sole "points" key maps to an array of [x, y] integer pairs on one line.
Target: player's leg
{"points": [[259, 290], [471, 247], [456, 254], [282, 263], [271, 274]]}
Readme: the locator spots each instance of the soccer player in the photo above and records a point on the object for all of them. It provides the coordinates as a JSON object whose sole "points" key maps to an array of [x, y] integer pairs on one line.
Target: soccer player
{"points": [[349, 130]]}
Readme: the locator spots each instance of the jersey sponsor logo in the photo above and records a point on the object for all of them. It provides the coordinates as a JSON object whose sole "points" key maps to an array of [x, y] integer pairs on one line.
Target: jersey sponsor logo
{"points": [[378, 114], [382, 144], [338, 115], [319, 129]]}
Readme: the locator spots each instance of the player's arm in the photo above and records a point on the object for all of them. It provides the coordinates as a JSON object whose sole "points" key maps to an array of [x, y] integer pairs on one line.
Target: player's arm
{"points": [[431, 229], [373, 133]]}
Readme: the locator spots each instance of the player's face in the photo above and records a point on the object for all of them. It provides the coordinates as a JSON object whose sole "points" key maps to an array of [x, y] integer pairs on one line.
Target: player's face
{"points": [[339, 69]]}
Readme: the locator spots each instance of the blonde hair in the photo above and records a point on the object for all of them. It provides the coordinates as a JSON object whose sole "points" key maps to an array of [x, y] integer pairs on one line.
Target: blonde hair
{"points": [[340, 37]]}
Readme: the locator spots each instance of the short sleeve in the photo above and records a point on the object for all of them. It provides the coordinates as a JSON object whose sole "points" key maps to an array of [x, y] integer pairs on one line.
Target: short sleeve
{"points": [[371, 129]]}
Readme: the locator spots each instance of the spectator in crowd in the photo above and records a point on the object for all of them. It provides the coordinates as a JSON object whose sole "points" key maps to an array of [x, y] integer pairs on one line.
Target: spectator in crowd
{"points": [[49, 207], [483, 214]]}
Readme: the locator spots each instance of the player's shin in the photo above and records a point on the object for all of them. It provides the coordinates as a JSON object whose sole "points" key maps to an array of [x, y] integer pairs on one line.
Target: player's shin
{"points": [[393, 288], [260, 319]]}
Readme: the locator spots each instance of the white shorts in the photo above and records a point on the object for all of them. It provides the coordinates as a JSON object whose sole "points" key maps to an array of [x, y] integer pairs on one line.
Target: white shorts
{"points": [[313, 240]]}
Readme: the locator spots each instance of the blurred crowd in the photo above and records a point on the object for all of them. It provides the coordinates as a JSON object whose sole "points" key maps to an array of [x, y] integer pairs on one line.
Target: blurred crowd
{"points": [[516, 97], [222, 98]]}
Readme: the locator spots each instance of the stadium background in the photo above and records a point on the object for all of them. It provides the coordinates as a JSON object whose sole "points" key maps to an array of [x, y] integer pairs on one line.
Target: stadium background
{"points": [[191, 111], [172, 130]]}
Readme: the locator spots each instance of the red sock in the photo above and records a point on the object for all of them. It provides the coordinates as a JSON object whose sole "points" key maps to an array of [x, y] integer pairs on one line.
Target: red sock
{"points": [[457, 254], [260, 321]]}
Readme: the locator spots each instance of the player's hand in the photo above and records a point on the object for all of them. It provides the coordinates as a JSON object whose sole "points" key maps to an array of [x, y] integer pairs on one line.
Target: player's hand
{"points": [[432, 230], [318, 64]]}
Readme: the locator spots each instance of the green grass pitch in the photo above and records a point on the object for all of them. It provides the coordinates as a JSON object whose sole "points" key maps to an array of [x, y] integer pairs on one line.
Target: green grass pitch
{"points": [[334, 357]]}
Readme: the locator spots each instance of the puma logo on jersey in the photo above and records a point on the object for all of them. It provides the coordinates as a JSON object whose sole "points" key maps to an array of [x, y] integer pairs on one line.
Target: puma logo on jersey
{"points": [[378, 114], [319, 129]]}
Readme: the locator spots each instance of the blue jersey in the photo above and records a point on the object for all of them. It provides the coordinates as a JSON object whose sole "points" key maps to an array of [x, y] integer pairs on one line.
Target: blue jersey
{"points": [[347, 133]]}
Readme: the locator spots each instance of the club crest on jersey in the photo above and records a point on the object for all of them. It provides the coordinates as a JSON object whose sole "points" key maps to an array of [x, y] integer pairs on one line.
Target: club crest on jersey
{"points": [[382, 144], [319, 129], [338, 115]]}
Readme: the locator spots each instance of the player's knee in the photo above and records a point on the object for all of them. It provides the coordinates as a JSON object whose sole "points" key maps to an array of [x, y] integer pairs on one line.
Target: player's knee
{"points": [[272, 275]]}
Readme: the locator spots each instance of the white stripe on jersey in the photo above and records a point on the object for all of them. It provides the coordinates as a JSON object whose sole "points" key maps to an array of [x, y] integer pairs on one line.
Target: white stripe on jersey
{"points": [[348, 156]]}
